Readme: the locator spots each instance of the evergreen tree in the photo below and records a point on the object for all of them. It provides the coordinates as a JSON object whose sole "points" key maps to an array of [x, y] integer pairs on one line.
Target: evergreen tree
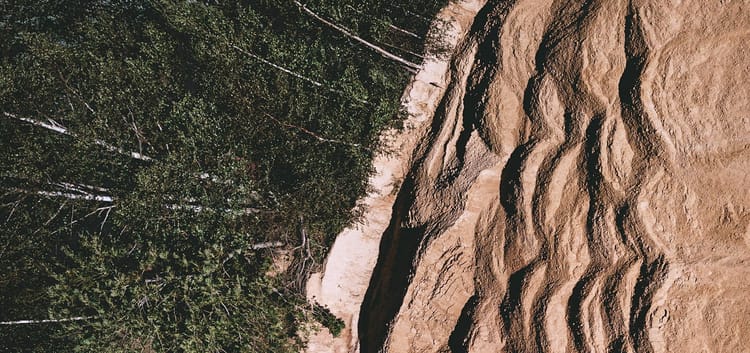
{"points": [[156, 154]]}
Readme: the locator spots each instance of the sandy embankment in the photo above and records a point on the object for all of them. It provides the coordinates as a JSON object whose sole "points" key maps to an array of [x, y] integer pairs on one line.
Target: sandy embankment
{"points": [[346, 275]]}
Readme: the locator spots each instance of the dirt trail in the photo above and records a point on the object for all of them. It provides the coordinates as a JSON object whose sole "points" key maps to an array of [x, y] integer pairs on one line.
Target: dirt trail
{"points": [[582, 186]]}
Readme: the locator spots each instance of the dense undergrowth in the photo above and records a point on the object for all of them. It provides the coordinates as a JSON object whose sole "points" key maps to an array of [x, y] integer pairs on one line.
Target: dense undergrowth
{"points": [[158, 155]]}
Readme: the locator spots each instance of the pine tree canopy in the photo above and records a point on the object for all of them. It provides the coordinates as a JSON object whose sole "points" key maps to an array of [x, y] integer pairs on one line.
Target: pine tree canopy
{"points": [[161, 159]]}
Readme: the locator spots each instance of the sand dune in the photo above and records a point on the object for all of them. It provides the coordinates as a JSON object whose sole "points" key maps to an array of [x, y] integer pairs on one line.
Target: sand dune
{"points": [[581, 186]]}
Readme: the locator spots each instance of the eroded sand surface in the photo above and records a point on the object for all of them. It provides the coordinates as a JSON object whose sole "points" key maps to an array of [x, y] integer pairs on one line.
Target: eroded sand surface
{"points": [[582, 187]]}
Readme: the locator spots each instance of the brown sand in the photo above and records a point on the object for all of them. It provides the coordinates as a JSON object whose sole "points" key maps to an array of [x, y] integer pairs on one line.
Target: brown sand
{"points": [[582, 186]]}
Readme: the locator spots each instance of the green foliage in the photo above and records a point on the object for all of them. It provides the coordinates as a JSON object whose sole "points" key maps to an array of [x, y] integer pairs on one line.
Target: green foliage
{"points": [[324, 316], [183, 298], [252, 123]]}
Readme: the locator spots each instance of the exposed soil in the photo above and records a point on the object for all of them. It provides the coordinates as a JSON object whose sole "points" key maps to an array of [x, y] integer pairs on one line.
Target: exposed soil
{"points": [[580, 185]]}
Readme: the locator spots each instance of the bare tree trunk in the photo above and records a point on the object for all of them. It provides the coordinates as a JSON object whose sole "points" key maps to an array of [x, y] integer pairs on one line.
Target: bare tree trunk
{"points": [[46, 321], [75, 193], [199, 209], [410, 33], [410, 65], [404, 50], [53, 126], [390, 25], [266, 245], [80, 188], [56, 127], [277, 67], [72, 196], [295, 74], [72, 192]]}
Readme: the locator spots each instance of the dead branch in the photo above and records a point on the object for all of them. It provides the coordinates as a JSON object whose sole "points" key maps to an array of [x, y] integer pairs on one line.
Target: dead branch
{"points": [[304, 261]]}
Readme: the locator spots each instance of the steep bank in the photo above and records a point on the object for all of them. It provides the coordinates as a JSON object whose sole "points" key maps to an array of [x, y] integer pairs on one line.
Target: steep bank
{"points": [[582, 188], [342, 283]]}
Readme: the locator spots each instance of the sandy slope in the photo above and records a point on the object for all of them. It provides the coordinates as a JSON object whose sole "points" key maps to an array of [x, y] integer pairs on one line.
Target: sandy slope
{"points": [[342, 284], [582, 187]]}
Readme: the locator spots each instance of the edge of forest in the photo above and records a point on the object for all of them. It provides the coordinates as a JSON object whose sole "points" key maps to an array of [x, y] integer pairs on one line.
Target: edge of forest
{"points": [[342, 282]]}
